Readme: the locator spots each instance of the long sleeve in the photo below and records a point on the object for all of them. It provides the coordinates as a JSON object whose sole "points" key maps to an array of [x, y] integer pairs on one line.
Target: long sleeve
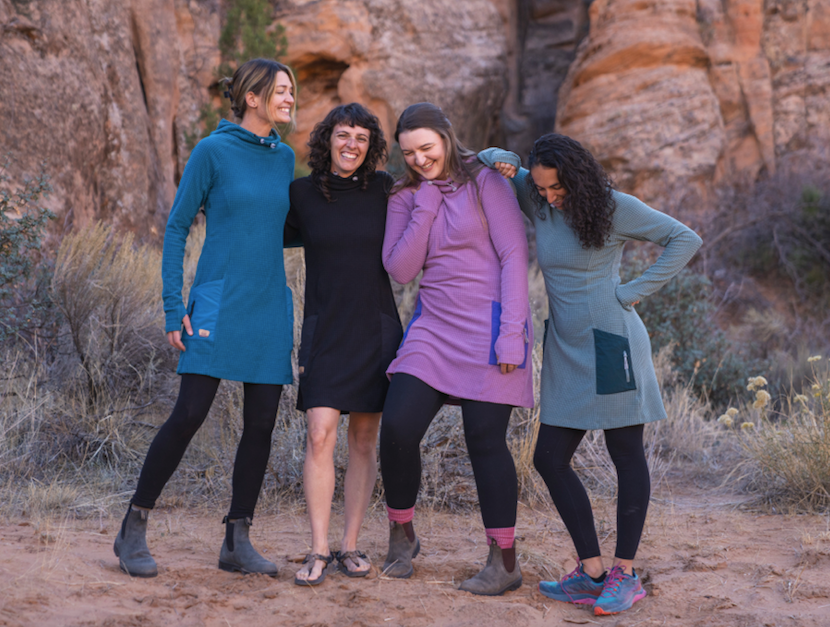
{"points": [[635, 220], [409, 218], [191, 195], [507, 233], [529, 200], [292, 234]]}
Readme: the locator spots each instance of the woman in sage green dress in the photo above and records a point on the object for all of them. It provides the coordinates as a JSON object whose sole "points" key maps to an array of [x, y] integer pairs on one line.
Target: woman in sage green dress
{"points": [[597, 370]]}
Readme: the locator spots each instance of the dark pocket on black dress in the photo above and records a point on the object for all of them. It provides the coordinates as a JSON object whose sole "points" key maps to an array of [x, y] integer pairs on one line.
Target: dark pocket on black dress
{"points": [[306, 340], [615, 373]]}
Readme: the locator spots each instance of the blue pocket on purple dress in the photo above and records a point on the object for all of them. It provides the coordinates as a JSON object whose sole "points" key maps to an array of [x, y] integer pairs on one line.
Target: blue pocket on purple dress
{"points": [[495, 327]]}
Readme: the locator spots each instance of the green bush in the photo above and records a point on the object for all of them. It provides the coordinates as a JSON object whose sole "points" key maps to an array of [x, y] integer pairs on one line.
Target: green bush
{"points": [[24, 300], [682, 314]]}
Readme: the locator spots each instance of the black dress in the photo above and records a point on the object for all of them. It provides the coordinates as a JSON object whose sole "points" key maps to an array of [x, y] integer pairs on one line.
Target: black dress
{"points": [[351, 327]]}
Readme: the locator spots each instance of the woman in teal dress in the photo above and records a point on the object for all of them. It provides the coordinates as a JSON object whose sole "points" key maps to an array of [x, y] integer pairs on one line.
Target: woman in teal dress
{"points": [[597, 371], [238, 323]]}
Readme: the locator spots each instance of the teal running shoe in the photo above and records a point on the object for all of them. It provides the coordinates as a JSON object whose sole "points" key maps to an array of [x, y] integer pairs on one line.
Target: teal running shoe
{"points": [[619, 593], [576, 587]]}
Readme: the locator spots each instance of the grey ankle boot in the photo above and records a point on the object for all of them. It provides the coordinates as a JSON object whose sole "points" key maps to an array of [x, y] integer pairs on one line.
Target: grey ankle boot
{"points": [[131, 545], [494, 579], [238, 554], [401, 551]]}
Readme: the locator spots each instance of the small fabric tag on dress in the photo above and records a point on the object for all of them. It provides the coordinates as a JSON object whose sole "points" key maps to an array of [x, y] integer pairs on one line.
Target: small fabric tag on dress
{"points": [[204, 333]]}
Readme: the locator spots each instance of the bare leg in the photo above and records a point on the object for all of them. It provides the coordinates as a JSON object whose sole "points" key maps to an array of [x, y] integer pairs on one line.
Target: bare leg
{"points": [[627, 565], [593, 566], [361, 476], [318, 482]]}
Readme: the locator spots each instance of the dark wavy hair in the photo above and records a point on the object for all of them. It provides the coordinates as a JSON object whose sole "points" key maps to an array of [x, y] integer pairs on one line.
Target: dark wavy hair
{"points": [[319, 143], [589, 205]]}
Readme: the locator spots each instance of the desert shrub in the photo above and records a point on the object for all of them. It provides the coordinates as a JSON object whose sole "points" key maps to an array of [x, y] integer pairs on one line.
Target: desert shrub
{"points": [[775, 233], [109, 291], [682, 315], [25, 306], [787, 445]]}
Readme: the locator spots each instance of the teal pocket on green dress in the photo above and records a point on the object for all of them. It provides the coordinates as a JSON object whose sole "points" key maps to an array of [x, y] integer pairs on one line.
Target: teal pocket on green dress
{"points": [[615, 373]]}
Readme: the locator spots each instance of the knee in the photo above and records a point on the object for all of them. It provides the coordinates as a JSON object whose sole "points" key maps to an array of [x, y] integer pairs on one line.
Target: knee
{"points": [[483, 446], [363, 444], [321, 438], [393, 435], [547, 466]]}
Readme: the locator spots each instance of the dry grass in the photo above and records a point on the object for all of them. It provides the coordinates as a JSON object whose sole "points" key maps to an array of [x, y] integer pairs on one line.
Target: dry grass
{"points": [[109, 291], [786, 442], [75, 430]]}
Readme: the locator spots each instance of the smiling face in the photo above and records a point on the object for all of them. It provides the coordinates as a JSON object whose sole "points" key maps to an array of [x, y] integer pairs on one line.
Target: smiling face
{"points": [[279, 108], [349, 145], [546, 181], [282, 102], [424, 152]]}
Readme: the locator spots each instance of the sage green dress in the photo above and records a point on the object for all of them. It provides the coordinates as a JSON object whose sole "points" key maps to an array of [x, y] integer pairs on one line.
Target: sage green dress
{"points": [[597, 371]]}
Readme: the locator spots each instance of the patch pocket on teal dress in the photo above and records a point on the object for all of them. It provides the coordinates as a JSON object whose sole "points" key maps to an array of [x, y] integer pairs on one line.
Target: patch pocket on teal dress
{"points": [[495, 328], [205, 301], [615, 373]]}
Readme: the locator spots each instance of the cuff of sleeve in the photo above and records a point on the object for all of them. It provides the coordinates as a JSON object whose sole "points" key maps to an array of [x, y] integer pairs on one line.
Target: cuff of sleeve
{"points": [[626, 294], [505, 156], [173, 319], [510, 350], [428, 197]]}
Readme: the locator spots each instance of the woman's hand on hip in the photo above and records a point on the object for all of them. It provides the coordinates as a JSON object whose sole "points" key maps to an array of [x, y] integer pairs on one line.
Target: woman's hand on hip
{"points": [[174, 338], [505, 169], [507, 368]]}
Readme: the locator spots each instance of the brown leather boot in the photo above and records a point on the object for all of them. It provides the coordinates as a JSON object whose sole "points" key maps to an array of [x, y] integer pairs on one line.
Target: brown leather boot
{"points": [[401, 551], [494, 579]]}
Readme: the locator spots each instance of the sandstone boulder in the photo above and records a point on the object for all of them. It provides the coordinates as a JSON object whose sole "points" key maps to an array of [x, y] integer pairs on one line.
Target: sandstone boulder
{"points": [[108, 92], [694, 93], [101, 91], [388, 54]]}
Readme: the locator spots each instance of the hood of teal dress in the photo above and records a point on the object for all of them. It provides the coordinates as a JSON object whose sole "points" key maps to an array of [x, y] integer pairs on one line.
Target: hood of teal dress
{"points": [[234, 130]]}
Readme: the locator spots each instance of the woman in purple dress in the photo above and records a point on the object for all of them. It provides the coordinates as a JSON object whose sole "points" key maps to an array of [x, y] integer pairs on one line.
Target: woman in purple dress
{"points": [[469, 337]]}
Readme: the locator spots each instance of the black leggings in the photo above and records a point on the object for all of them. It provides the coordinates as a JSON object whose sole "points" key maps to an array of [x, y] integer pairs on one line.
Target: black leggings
{"points": [[195, 398], [554, 450], [410, 407]]}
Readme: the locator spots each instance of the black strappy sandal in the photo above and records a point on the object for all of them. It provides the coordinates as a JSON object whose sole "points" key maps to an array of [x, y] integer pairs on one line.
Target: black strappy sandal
{"points": [[314, 557], [342, 556]]}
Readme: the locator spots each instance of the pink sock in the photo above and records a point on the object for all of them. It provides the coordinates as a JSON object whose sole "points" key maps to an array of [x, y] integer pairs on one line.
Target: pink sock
{"points": [[400, 515], [503, 536]]}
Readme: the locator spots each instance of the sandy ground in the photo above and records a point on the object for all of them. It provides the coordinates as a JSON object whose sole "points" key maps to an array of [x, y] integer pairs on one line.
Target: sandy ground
{"points": [[705, 562]]}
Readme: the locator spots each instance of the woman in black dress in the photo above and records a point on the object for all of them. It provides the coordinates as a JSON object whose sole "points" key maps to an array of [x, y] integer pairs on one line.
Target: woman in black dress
{"points": [[351, 328]]}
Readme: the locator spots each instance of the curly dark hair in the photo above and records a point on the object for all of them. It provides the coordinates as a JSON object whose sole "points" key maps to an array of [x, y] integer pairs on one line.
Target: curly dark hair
{"points": [[588, 205], [319, 143]]}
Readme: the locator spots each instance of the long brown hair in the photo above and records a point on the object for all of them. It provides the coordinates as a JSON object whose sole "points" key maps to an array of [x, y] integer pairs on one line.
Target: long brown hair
{"points": [[461, 162], [260, 77]]}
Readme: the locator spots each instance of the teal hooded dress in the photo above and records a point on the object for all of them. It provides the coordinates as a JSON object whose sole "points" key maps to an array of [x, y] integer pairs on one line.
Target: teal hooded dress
{"points": [[597, 370], [240, 307]]}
